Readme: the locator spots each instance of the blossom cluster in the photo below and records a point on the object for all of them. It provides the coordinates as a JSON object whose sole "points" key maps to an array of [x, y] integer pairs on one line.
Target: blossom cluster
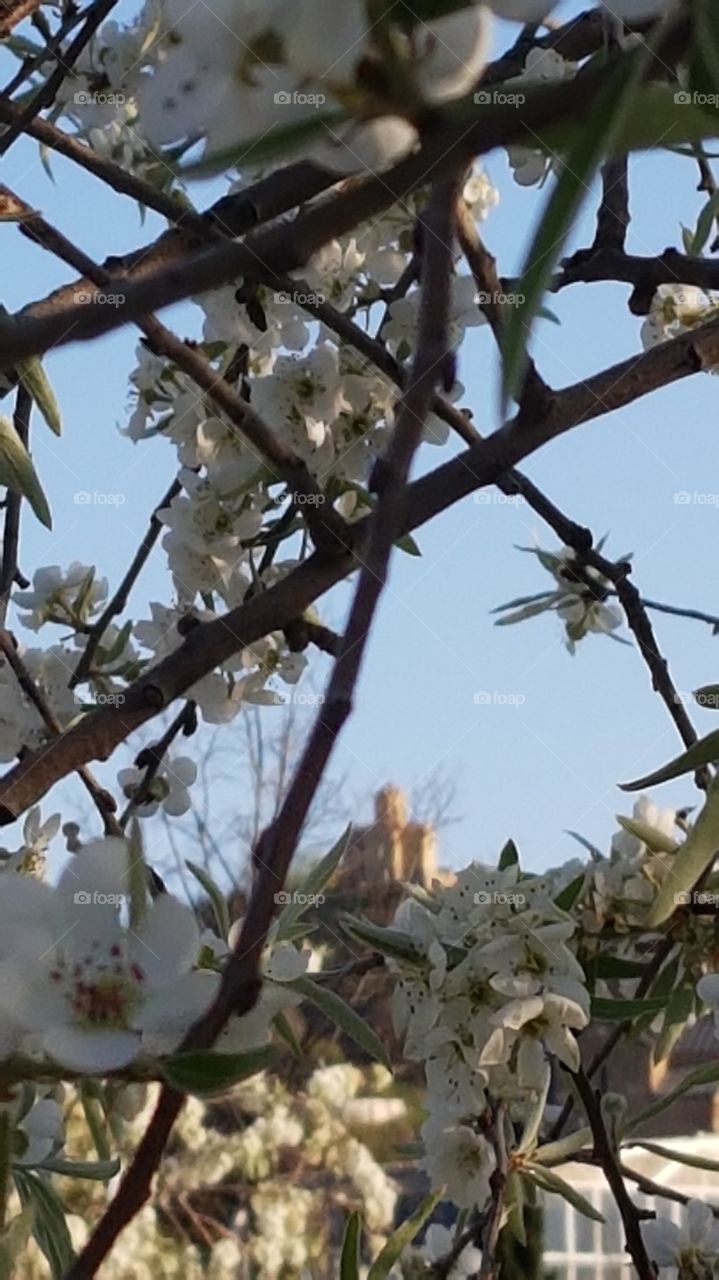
{"points": [[489, 991], [580, 598]]}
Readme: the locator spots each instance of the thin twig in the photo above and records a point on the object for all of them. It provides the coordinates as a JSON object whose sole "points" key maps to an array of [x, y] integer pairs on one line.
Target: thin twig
{"points": [[151, 758], [104, 802], [45, 96], [325, 524], [118, 601]]}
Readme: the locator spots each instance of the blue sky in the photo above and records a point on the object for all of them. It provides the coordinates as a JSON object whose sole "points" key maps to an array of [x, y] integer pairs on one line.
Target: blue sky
{"points": [[529, 771]]}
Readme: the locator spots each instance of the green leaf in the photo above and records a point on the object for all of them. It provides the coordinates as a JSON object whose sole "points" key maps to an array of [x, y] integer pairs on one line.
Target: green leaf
{"points": [[680, 1157], [559, 1151], [389, 942], [705, 751], [49, 1226], [705, 224], [548, 1180], [708, 695], [522, 600], [350, 1259], [606, 966], [704, 53], [216, 896], [283, 1027], [137, 874], [570, 894], [695, 1079], [205, 1073], [534, 1120], [18, 474], [624, 1010], [92, 1098], [691, 860], [91, 1170], [596, 854], [509, 857], [268, 145], [113, 653], [341, 1015], [403, 1236], [312, 886], [515, 1199], [407, 544], [679, 1009], [583, 158], [36, 383], [527, 611]]}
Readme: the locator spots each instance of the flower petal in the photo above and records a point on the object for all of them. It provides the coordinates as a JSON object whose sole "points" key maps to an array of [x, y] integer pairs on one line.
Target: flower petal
{"points": [[91, 1051]]}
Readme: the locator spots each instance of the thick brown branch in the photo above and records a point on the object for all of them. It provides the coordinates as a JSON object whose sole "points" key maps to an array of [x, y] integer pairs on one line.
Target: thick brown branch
{"points": [[102, 799], [609, 1160], [485, 462], [271, 858], [281, 249]]}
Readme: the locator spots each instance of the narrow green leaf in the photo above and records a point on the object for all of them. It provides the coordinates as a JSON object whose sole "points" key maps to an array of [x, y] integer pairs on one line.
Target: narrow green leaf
{"points": [[91, 1096], [216, 896], [570, 894], [705, 224], [509, 857], [515, 1199], [695, 1079], [121, 639], [606, 966], [137, 874], [527, 611], [340, 1014], [408, 544], [533, 1123], [312, 886], [680, 1157], [49, 1227], [579, 165], [350, 1259], [91, 1170], [708, 695], [389, 942], [37, 384], [283, 1027], [605, 1010], [561, 1150], [205, 1073], [522, 600], [681, 1005], [548, 1180], [18, 474], [705, 751], [596, 854], [403, 1236], [691, 860]]}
